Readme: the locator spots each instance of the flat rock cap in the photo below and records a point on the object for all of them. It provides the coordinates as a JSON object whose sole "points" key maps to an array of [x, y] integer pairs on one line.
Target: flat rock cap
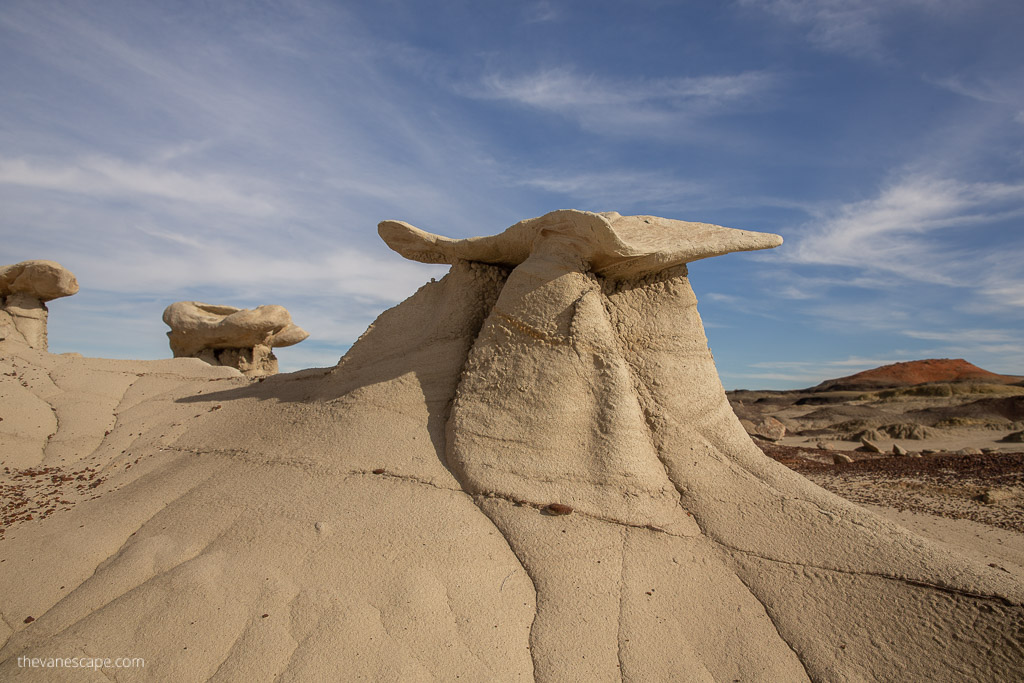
{"points": [[44, 280], [196, 326], [615, 245]]}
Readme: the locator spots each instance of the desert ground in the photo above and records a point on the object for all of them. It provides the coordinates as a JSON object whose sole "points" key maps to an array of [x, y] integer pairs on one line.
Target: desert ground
{"points": [[528, 470]]}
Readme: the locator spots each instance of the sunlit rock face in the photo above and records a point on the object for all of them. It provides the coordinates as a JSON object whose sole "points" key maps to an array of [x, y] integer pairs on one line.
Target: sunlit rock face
{"points": [[234, 337], [24, 290], [590, 385]]}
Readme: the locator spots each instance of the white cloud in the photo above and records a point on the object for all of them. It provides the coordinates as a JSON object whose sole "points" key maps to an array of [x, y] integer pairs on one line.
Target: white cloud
{"points": [[617, 190], [110, 177], [844, 364], [899, 231], [541, 12], [643, 107], [854, 27], [985, 89], [809, 373], [980, 336]]}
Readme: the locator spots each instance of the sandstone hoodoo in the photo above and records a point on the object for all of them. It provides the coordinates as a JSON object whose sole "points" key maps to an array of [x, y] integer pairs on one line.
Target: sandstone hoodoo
{"points": [[234, 337], [24, 290], [528, 470], [590, 381]]}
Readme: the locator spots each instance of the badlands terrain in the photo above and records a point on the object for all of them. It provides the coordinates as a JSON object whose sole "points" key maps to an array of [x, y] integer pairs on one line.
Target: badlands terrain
{"points": [[528, 470], [940, 436]]}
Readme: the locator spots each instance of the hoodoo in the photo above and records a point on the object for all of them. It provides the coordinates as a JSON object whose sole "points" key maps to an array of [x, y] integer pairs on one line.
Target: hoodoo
{"points": [[590, 384], [24, 290], [235, 337]]}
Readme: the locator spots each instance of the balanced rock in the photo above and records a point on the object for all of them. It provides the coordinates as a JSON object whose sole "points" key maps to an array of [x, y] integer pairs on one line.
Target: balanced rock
{"points": [[24, 290], [869, 446], [236, 337], [766, 428]]}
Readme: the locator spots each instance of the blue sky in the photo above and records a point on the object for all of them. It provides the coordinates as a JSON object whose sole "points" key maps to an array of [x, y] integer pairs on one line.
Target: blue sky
{"points": [[242, 153]]}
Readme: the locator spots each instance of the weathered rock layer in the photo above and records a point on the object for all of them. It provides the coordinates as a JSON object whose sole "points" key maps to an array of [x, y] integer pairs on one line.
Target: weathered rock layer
{"points": [[233, 337], [24, 290]]}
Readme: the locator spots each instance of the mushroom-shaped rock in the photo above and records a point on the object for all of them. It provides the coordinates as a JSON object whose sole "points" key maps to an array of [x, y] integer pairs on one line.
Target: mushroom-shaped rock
{"points": [[613, 245], [585, 378], [24, 290], [236, 337]]}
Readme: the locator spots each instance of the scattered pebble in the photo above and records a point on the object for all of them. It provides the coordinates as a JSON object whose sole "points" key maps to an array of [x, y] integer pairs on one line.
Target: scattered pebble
{"points": [[558, 509]]}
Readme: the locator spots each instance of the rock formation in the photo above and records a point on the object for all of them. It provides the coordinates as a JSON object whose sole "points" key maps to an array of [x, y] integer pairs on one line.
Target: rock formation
{"points": [[24, 290], [590, 384], [234, 337], [528, 470]]}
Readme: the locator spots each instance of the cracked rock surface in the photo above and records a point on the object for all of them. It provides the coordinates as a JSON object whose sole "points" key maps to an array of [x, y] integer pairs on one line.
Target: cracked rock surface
{"points": [[392, 517]]}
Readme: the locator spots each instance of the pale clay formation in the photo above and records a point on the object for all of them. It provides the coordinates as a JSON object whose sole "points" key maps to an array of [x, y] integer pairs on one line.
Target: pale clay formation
{"points": [[234, 337], [24, 290], [588, 380]]}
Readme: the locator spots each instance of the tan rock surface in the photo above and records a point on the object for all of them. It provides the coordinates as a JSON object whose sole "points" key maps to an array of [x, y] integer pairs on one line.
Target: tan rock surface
{"points": [[234, 337], [24, 290], [388, 518]]}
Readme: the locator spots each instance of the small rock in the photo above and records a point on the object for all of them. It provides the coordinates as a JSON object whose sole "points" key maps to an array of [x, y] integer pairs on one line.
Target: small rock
{"points": [[840, 458], [824, 445], [1013, 437], [899, 450], [767, 428], [869, 446], [558, 509], [969, 451]]}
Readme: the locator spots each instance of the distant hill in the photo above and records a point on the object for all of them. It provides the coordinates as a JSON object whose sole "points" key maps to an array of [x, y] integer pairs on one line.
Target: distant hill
{"points": [[915, 372]]}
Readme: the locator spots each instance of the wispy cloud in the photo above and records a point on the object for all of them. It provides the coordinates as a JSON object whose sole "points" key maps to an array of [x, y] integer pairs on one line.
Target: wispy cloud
{"points": [[854, 27], [975, 335], [899, 230], [110, 177], [1003, 89], [984, 89], [642, 107], [541, 12], [807, 373], [617, 189]]}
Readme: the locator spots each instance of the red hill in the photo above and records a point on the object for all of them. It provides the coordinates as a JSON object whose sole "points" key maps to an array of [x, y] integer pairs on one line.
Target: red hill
{"points": [[915, 372]]}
